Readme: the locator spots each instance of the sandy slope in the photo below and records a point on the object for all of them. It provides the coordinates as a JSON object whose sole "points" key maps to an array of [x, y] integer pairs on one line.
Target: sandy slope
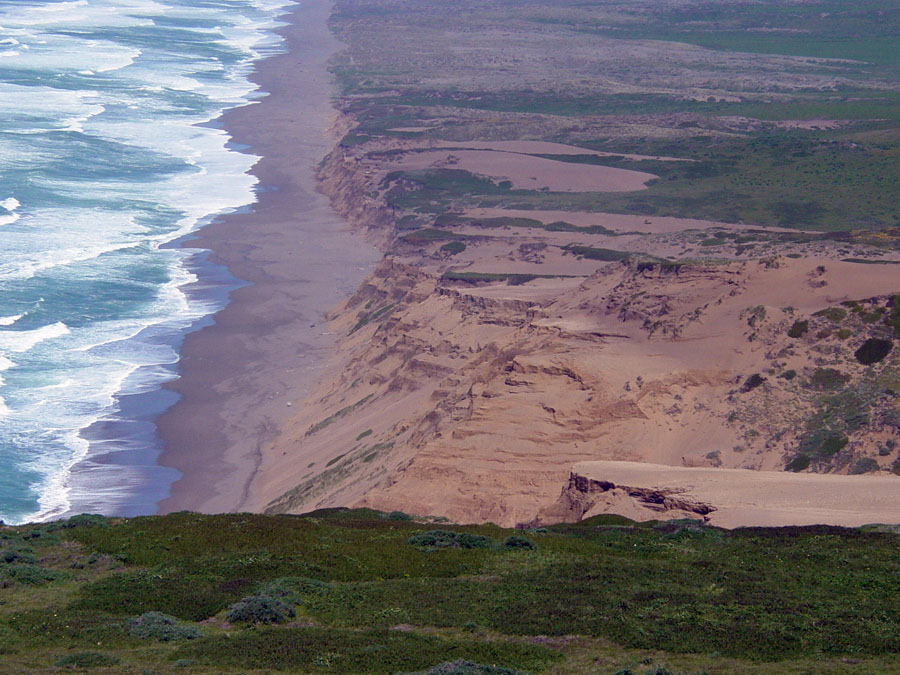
{"points": [[477, 401]]}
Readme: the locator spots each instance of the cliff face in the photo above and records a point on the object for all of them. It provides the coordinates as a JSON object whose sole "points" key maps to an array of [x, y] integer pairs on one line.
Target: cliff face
{"points": [[346, 180], [583, 496], [492, 350], [465, 401]]}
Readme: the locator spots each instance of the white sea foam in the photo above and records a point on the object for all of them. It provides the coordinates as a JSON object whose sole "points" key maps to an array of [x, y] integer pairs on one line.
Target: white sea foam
{"points": [[143, 97], [24, 340], [36, 109], [9, 205]]}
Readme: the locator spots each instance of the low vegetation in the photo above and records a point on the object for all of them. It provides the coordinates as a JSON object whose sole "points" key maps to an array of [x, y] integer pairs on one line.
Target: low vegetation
{"points": [[363, 592]]}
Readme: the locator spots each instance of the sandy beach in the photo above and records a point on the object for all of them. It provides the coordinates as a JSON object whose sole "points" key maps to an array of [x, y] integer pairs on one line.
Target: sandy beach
{"points": [[240, 376]]}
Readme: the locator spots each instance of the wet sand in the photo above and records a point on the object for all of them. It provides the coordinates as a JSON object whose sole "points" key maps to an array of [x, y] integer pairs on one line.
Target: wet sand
{"points": [[241, 376]]}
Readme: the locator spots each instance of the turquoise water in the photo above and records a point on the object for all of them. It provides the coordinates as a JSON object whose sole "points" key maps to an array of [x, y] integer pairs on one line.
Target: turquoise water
{"points": [[106, 155]]}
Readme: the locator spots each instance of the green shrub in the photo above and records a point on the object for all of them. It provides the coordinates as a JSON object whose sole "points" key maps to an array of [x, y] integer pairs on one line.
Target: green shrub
{"points": [[752, 382], [292, 590], [333, 650], [185, 596], [87, 660], [788, 374], [17, 554], [799, 329], [260, 609], [467, 668], [81, 520], [873, 350], [823, 443], [827, 378], [835, 314], [453, 247], [864, 465], [436, 539], [161, 627], [893, 319], [515, 542], [798, 463], [592, 253], [31, 575], [398, 515]]}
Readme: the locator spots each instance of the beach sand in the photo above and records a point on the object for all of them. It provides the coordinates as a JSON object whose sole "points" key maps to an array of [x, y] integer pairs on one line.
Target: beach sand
{"points": [[240, 376]]}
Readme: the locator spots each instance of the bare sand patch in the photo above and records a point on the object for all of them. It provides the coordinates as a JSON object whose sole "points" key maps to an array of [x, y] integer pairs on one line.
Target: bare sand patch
{"points": [[530, 173], [811, 124], [547, 148], [761, 498], [612, 221], [537, 291]]}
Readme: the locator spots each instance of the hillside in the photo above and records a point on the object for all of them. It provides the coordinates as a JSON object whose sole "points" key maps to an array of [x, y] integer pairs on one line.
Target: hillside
{"points": [[368, 592]]}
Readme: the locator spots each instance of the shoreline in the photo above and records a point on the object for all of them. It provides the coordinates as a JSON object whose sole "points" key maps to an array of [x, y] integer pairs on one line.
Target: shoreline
{"points": [[298, 258]]}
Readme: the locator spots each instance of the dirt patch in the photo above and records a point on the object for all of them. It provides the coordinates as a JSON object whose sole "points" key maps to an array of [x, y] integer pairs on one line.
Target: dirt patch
{"points": [[528, 172]]}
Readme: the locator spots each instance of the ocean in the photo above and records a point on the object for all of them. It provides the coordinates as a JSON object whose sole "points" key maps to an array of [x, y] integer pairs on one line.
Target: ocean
{"points": [[109, 153]]}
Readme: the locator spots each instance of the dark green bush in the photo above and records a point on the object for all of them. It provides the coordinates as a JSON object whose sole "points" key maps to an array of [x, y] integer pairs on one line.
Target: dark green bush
{"points": [[435, 539], [752, 382], [453, 247], [799, 329], [798, 463], [31, 575], [873, 350], [186, 597], [832, 313], [823, 443], [827, 378], [333, 650], [864, 465], [398, 515], [292, 590], [260, 609], [162, 627], [87, 660], [467, 668], [893, 319], [789, 374], [81, 520], [17, 554], [602, 254], [516, 542]]}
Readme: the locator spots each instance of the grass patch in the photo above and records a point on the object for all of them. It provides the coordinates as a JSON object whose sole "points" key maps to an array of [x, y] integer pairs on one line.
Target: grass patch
{"points": [[512, 279], [593, 253], [343, 412], [453, 247], [333, 650]]}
